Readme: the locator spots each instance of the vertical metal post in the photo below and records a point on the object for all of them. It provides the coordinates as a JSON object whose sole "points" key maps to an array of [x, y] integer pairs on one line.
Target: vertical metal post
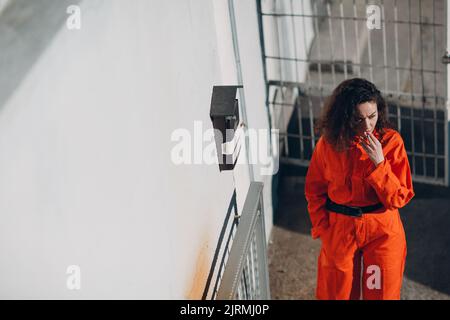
{"points": [[330, 29], [308, 86], [397, 64], [369, 43], [344, 46], [280, 67], [423, 98], [286, 138], [435, 146], [240, 82], [299, 110], [385, 66], [264, 65], [413, 152], [447, 113], [358, 54], [263, 261], [311, 115], [294, 41], [319, 57]]}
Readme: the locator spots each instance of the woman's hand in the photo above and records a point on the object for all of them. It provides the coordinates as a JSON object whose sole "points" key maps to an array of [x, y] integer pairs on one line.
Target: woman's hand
{"points": [[373, 148]]}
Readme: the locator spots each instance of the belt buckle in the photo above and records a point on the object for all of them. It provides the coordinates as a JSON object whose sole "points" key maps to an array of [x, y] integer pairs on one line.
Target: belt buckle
{"points": [[360, 212]]}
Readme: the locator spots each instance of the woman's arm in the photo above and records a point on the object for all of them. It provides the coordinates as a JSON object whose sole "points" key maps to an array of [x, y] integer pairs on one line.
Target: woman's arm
{"points": [[316, 191], [391, 178]]}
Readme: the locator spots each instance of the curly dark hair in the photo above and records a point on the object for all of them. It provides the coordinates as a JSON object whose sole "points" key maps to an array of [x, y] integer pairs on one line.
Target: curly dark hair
{"points": [[337, 122]]}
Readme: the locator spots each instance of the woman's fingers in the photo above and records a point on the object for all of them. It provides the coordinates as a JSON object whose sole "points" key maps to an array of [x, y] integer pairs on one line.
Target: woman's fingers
{"points": [[369, 143], [372, 137], [367, 146], [361, 140], [364, 145]]}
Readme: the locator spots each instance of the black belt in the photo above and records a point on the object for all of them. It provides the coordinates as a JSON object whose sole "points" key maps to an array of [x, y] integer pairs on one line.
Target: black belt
{"points": [[351, 211]]}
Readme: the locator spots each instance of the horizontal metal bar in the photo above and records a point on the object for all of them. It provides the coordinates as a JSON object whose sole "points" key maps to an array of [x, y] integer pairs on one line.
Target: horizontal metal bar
{"points": [[415, 177], [306, 89], [324, 62], [419, 118], [294, 161], [284, 134], [415, 154], [352, 19], [394, 115], [426, 155], [305, 137], [429, 180]]}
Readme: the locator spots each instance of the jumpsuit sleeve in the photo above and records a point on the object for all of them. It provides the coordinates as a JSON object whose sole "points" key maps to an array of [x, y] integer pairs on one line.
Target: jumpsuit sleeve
{"points": [[391, 178], [316, 191]]}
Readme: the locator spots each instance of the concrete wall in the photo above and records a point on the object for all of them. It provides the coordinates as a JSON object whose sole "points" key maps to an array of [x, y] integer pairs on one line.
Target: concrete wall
{"points": [[85, 149]]}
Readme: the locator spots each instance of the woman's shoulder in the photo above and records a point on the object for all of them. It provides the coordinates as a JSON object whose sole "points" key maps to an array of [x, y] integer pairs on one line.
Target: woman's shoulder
{"points": [[392, 137], [321, 143], [392, 141]]}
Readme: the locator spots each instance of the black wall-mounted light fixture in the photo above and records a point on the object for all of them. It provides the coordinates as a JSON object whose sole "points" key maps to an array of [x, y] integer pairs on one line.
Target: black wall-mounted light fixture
{"points": [[224, 115]]}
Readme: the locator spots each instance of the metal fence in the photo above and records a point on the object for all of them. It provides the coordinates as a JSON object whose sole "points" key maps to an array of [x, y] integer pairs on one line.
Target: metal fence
{"points": [[246, 273], [309, 47]]}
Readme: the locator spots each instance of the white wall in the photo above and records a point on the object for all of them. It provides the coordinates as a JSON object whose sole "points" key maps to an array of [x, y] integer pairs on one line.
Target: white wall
{"points": [[3, 4], [85, 167]]}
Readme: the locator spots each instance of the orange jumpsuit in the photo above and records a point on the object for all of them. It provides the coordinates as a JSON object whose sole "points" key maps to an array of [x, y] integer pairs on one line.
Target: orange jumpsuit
{"points": [[350, 178]]}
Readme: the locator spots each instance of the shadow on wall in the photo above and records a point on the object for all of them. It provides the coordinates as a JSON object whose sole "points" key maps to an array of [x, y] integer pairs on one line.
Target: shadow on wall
{"points": [[26, 29]]}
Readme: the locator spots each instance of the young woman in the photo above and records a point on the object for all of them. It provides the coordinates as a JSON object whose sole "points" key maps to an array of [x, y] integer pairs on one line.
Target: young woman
{"points": [[358, 178]]}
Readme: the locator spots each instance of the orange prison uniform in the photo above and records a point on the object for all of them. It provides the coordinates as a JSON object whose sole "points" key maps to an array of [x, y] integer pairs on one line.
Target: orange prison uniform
{"points": [[351, 178]]}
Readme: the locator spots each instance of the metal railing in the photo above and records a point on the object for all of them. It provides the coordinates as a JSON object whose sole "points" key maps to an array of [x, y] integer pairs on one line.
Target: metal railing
{"points": [[246, 273], [309, 47]]}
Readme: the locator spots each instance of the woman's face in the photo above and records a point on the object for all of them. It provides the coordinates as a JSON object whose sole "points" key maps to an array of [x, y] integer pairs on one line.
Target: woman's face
{"points": [[366, 117]]}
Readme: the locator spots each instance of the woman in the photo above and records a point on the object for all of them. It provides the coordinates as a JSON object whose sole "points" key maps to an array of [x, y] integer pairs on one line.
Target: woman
{"points": [[358, 178]]}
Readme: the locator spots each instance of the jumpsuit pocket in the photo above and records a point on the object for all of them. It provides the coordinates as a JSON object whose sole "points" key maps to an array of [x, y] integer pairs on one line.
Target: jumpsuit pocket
{"points": [[390, 223], [331, 222]]}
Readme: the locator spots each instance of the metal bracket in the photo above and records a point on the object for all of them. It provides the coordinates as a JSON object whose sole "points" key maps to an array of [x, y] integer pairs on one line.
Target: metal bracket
{"points": [[445, 58]]}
